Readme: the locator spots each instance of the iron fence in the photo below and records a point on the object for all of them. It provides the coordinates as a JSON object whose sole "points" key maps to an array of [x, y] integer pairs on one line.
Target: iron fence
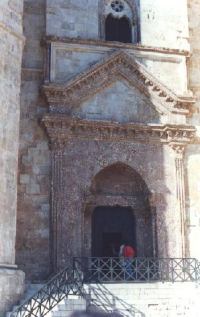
{"points": [[102, 270], [71, 280], [59, 287]]}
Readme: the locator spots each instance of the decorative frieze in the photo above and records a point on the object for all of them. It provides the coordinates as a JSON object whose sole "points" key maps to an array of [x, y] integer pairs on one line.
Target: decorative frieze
{"points": [[61, 128]]}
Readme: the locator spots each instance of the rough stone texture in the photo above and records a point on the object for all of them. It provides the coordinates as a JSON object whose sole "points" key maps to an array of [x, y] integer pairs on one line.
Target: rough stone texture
{"points": [[11, 45], [11, 288], [10, 70], [33, 189], [78, 175], [193, 156], [159, 166], [60, 186]]}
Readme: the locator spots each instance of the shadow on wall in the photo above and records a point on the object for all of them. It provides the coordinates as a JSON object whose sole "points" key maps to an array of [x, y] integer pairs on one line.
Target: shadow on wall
{"points": [[103, 303]]}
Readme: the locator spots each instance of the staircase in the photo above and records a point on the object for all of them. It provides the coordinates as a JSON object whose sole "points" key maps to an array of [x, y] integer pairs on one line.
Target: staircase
{"points": [[71, 291], [64, 309]]}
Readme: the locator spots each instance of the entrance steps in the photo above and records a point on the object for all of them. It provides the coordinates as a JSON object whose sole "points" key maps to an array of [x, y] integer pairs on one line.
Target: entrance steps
{"points": [[64, 309], [147, 299], [130, 299]]}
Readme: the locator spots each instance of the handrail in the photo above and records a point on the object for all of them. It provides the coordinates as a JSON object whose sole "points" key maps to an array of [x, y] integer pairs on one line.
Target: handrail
{"points": [[71, 280], [138, 270], [60, 286]]}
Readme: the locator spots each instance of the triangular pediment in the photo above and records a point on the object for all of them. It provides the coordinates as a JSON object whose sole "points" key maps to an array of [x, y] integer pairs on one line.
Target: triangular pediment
{"points": [[118, 102], [119, 66]]}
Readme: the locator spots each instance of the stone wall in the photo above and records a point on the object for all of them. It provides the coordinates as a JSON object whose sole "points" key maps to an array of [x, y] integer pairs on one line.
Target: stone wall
{"points": [[11, 288], [11, 45], [193, 154], [11, 53], [160, 26], [163, 24], [33, 187]]}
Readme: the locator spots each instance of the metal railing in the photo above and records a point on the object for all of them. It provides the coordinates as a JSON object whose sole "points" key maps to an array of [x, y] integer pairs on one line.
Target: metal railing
{"points": [[71, 280], [102, 270], [67, 282]]}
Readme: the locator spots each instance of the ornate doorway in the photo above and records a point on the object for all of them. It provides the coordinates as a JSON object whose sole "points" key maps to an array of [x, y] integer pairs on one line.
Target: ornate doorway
{"points": [[111, 226], [118, 209]]}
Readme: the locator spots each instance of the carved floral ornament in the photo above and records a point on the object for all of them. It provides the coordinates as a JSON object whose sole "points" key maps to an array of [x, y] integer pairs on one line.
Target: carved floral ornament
{"points": [[61, 128], [119, 65], [118, 7]]}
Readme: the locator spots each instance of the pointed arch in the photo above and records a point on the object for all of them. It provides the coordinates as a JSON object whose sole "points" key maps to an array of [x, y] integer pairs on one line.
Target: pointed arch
{"points": [[119, 179], [130, 14], [118, 29]]}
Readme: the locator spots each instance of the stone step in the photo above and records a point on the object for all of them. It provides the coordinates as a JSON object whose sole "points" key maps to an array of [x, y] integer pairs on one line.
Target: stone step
{"points": [[151, 300]]}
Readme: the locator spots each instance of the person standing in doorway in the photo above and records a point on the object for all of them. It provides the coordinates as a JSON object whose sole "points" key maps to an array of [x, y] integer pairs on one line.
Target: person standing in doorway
{"points": [[127, 253]]}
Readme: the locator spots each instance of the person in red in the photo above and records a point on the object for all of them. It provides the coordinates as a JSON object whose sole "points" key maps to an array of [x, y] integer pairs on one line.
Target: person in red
{"points": [[127, 253]]}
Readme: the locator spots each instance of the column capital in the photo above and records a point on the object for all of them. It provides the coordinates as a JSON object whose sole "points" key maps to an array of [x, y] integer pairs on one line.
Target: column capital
{"points": [[178, 149], [58, 144]]}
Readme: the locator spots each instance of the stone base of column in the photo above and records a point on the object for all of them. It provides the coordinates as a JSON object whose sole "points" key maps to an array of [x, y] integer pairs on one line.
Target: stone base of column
{"points": [[12, 285]]}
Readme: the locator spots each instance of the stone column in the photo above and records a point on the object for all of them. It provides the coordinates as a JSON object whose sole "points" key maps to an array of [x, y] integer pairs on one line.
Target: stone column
{"points": [[57, 198], [11, 46], [180, 192]]}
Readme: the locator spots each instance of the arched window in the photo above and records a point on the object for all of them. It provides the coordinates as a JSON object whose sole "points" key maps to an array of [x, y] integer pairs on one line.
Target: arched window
{"points": [[119, 21], [118, 29]]}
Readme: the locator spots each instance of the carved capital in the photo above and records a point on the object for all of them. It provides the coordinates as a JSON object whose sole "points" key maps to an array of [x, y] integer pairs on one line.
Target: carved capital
{"points": [[178, 149], [58, 144]]}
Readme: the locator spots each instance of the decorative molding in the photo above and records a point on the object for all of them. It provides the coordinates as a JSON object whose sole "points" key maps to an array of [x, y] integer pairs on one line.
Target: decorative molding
{"points": [[179, 150], [61, 128], [114, 45], [119, 65]]}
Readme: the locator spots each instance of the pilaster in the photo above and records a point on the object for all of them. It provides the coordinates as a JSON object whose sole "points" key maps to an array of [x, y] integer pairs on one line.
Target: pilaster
{"points": [[57, 199], [178, 150]]}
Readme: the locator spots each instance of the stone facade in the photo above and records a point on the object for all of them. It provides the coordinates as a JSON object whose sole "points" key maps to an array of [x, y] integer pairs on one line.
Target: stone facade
{"points": [[34, 157], [115, 104], [193, 157], [96, 119], [11, 45], [101, 124]]}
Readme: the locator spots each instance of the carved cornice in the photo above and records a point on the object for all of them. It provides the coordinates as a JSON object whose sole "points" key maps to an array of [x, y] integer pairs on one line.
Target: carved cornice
{"points": [[115, 45], [61, 128], [118, 66]]}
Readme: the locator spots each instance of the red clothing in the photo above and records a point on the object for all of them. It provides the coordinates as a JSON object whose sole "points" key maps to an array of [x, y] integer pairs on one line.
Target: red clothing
{"points": [[128, 252]]}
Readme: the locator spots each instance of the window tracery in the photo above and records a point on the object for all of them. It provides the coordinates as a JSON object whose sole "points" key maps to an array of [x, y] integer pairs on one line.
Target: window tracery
{"points": [[119, 21]]}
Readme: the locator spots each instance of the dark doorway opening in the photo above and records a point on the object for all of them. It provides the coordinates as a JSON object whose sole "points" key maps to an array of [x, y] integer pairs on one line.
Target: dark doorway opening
{"points": [[118, 29], [110, 227], [110, 243]]}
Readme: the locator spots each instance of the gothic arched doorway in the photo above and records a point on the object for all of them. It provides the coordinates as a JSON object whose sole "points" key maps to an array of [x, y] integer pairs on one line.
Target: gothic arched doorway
{"points": [[112, 226], [118, 209]]}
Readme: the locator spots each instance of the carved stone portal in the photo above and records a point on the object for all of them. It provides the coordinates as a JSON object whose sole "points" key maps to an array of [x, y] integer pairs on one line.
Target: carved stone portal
{"points": [[103, 164], [81, 149]]}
